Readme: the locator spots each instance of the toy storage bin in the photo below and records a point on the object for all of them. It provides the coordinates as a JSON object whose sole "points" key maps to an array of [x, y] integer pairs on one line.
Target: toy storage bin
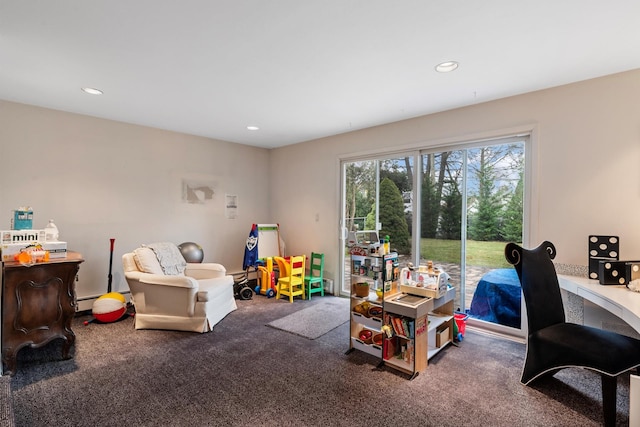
{"points": [[461, 322], [362, 289]]}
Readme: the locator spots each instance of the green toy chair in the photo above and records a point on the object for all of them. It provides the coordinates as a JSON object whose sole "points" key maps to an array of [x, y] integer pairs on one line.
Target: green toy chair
{"points": [[313, 280]]}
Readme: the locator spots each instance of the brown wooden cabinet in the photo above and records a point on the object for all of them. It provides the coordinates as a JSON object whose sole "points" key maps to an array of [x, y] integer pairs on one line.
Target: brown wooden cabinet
{"points": [[38, 304]]}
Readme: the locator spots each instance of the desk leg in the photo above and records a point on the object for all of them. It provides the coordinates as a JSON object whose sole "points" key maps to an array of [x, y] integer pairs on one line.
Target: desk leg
{"points": [[634, 401]]}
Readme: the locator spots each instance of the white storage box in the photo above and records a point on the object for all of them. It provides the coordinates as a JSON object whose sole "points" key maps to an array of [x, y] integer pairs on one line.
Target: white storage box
{"points": [[21, 236], [56, 249]]}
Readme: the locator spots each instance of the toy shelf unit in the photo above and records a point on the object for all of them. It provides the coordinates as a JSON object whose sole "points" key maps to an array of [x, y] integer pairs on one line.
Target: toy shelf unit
{"points": [[440, 329], [366, 323], [405, 327], [416, 327], [378, 272], [371, 277]]}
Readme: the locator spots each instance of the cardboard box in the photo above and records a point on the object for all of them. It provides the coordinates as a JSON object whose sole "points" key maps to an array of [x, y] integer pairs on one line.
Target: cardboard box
{"points": [[22, 219], [442, 337], [21, 236], [56, 250]]}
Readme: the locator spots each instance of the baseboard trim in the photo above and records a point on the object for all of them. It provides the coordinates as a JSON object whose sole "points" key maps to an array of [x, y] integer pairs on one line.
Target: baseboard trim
{"points": [[85, 303]]}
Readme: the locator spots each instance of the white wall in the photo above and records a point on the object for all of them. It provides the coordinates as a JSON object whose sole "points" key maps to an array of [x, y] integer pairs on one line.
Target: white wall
{"points": [[100, 179], [586, 170]]}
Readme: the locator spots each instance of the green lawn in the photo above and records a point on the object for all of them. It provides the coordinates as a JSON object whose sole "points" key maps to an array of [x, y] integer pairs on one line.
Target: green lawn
{"points": [[484, 254]]}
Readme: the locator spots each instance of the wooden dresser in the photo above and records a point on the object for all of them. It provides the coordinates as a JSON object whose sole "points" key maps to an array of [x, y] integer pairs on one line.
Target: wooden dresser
{"points": [[38, 304]]}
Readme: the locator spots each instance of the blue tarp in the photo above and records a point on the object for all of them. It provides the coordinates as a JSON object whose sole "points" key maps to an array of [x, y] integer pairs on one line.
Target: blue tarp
{"points": [[497, 298]]}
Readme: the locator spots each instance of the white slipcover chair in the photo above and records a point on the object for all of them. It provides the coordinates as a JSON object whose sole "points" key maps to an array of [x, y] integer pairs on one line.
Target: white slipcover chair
{"points": [[174, 294]]}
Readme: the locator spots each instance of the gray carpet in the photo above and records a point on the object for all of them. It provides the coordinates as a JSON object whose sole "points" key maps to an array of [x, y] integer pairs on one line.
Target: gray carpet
{"points": [[6, 409], [245, 373], [314, 321]]}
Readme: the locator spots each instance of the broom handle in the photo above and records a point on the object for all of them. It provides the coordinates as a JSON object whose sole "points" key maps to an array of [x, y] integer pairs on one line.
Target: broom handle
{"points": [[110, 265]]}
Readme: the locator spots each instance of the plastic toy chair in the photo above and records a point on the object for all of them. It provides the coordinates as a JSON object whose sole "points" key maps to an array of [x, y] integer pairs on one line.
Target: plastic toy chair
{"points": [[313, 280], [283, 268], [293, 284]]}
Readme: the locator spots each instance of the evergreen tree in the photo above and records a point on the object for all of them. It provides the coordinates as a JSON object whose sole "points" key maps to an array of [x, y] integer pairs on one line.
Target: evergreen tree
{"points": [[451, 222], [392, 217], [370, 222], [399, 176], [484, 222], [430, 209], [512, 220]]}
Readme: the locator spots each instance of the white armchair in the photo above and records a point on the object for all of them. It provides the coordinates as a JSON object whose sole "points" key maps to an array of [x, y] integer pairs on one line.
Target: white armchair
{"points": [[192, 297]]}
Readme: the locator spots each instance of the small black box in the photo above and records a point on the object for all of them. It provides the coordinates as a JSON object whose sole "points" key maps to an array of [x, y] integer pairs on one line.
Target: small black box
{"points": [[615, 272], [632, 271]]}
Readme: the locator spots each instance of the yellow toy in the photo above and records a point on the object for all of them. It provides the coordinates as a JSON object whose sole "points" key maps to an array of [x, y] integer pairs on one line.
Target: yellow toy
{"points": [[266, 279]]}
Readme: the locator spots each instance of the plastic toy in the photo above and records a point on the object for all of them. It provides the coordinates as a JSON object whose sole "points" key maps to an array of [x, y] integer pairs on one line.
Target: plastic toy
{"points": [[241, 289], [266, 279], [262, 244], [109, 307], [32, 254]]}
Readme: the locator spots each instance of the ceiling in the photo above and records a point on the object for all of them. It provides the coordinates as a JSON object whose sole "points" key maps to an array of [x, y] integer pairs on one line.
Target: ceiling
{"points": [[300, 70]]}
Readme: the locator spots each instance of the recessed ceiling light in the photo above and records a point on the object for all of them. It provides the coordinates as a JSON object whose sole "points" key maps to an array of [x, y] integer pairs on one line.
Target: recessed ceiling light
{"points": [[446, 67], [253, 128], [92, 91]]}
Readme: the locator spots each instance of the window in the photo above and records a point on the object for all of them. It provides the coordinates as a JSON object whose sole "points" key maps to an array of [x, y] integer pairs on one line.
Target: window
{"points": [[457, 208]]}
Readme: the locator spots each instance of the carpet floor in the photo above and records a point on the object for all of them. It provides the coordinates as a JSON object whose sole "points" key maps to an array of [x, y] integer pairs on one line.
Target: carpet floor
{"points": [[246, 373], [316, 320]]}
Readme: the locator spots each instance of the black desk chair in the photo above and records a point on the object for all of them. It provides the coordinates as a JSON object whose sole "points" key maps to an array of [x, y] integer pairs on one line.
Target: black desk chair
{"points": [[554, 344]]}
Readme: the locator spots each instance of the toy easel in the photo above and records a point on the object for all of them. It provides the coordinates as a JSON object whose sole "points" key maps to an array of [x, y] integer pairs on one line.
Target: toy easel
{"points": [[268, 240], [262, 245]]}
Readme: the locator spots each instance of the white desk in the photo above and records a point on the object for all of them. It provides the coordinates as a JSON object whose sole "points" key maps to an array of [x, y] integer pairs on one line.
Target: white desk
{"points": [[620, 301]]}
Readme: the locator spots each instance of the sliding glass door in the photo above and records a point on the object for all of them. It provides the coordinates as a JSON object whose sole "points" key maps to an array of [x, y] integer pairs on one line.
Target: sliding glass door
{"points": [[378, 201], [456, 208], [441, 214], [495, 194]]}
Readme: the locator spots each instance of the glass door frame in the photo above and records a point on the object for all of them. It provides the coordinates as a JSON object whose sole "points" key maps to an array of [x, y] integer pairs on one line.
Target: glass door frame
{"points": [[526, 133], [415, 243]]}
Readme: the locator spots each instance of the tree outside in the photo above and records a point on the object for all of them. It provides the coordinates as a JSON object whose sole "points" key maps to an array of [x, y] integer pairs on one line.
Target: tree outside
{"points": [[511, 230], [359, 194], [391, 211], [495, 200], [494, 185]]}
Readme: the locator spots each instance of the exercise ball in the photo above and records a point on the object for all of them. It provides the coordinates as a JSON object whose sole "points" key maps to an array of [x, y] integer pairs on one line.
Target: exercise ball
{"points": [[109, 307], [192, 252]]}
